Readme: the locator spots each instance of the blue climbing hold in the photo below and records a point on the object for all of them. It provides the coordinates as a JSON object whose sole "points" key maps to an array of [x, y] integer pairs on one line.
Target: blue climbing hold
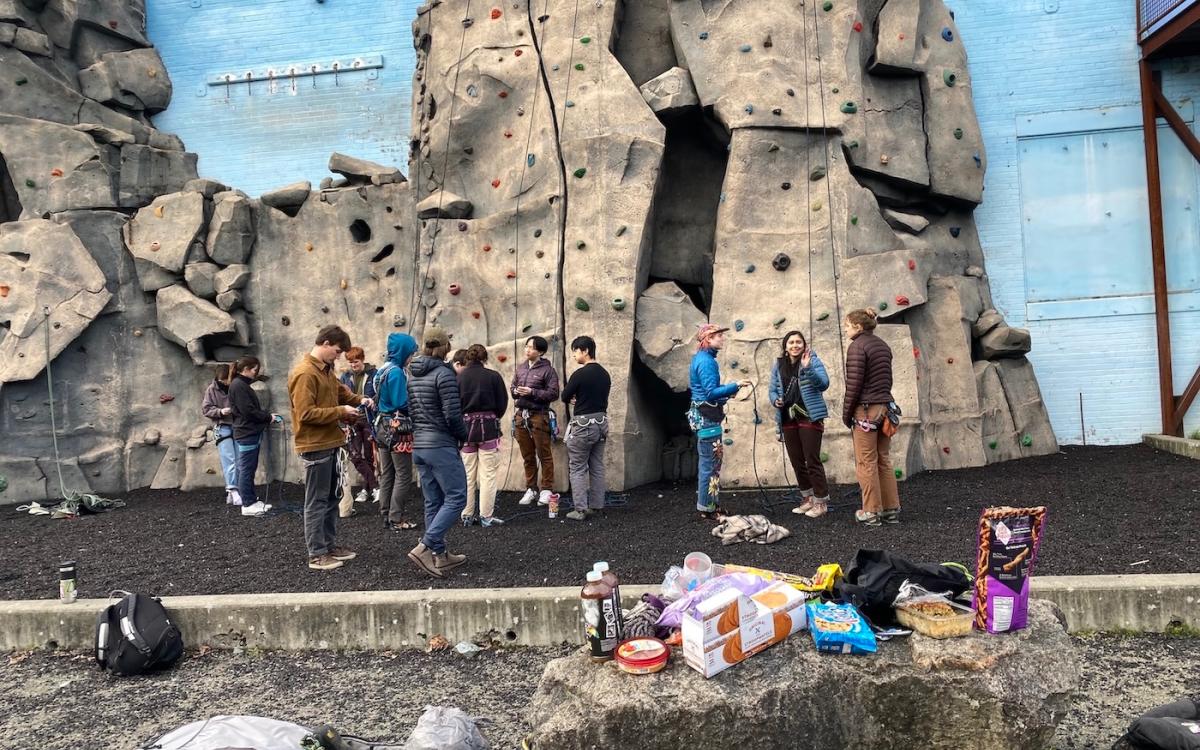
{"points": [[750, 268], [955, 231], [733, 365], [978, 160], [738, 325], [947, 34], [530, 159], [472, 90], [570, 102], [749, 109], [745, 48], [722, 197], [704, 35]]}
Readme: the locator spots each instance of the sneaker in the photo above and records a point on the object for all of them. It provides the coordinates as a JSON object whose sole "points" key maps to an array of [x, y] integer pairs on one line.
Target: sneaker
{"points": [[233, 497], [258, 509], [866, 519], [423, 558], [375, 495], [324, 562], [577, 515], [528, 497], [818, 509], [361, 497], [545, 497], [716, 514], [342, 553], [491, 521], [890, 516], [469, 521], [804, 507], [448, 561]]}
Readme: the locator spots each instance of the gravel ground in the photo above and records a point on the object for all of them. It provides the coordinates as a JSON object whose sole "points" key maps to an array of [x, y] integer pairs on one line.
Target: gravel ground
{"points": [[1111, 510], [59, 702]]}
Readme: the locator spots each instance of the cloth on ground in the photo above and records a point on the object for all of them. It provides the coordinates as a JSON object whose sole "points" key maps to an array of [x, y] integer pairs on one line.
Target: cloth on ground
{"points": [[1175, 726], [757, 529]]}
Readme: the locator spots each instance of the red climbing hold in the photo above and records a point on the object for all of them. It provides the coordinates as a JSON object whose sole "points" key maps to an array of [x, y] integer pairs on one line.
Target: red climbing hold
{"points": [[508, 134], [901, 299], [858, 26], [518, 53], [487, 248], [475, 314], [56, 172], [165, 398], [496, 13], [902, 37], [113, 24], [912, 265], [916, 353], [4, 290], [946, 449], [503, 94], [455, 289], [495, 183], [501, 357], [511, 275]]}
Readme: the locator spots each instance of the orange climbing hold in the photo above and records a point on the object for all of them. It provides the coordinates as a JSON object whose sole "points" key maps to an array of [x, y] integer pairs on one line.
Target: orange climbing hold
{"points": [[345, 284], [487, 248], [56, 172], [4, 290], [916, 353], [495, 183], [158, 211], [496, 13], [308, 246], [511, 275]]}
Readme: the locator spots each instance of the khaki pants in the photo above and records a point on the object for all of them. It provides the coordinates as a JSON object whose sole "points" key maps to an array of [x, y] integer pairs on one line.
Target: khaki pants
{"points": [[481, 469], [872, 463], [534, 438]]}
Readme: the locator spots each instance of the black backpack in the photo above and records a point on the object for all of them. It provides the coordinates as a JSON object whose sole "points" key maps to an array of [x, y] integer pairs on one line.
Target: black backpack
{"points": [[875, 578], [135, 636]]}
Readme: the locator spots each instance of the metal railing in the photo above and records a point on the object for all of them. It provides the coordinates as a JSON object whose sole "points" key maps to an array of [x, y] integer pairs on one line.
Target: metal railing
{"points": [[1152, 12]]}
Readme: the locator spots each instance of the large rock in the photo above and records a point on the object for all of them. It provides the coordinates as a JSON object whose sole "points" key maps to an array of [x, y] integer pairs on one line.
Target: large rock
{"points": [[231, 278], [444, 205], [164, 231], [288, 198], [136, 80], [978, 692], [185, 319], [231, 230], [148, 171], [362, 171], [671, 91], [200, 279], [43, 267], [54, 167], [665, 332], [1003, 341]]}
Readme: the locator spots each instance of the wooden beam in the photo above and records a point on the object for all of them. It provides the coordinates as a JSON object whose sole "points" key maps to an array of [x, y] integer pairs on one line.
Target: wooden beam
{"points": [[1184, 402], [1170, 31], [1162, 319], [1177, 124]]}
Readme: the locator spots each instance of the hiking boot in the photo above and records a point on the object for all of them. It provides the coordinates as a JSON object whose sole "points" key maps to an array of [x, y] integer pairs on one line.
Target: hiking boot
{"points": [[342, 553], [361, 497], [577, 515], [448, 561], [804, 507], [545, 497], [867, 519], [324, 562], [423, 558], [257, 510], [491, 521], [529, 496], [890, 516], [818, 509]]}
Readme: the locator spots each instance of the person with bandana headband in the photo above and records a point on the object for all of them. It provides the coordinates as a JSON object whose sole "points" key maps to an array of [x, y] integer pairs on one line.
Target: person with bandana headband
{"points": [[706, 414]]}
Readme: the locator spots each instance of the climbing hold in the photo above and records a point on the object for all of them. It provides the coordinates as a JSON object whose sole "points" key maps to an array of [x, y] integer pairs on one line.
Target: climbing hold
{"points": [[537, 233], [858, 26], [579, 66], [978, 160], [778, 322], [30, 183], [554, 68], [618, 303], [824, 457], [946, 449], [817, 174], [508, 134], [621, 230], [992, 444], [916, 353], [399, 321], [155, 246], [165, 398], [882, 306], [738, 325], [501, 357], [496, 13], [530, 159], [949, 78], [728, 441], [4, 290], [854, 220], [884, 159], [955, 231], [912, 264], [745, 48], [1027, 440], [21, 81], [158, 211], [472, 90], [518, 53], [495, 183], [958, 134], [580, 245], [835, 89], [781, 262], [539, 253], [852, 144], [308, 246], [581, 304], [777, 111], [526, 326], [579, 173], [947, 34], [503, 95], [570, 103], [56, 172], [722, 197], [828, 6], [749, 108], [949, 360], [511, 275], [899, 473], [901, 300], [849, 108], [475, 314], [786, 186], [703, 35], [487, 248], [750, 268], [585, 39], [768, 43], [823, 316], [285, 320], [345, 283], [733, 365], [455, 289], [462, 226], [468, 23], [817, 204], [791, 92]]}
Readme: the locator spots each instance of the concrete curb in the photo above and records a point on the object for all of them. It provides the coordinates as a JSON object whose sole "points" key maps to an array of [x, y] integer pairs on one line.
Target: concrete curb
{"points": [[524, 616], [1179, 446]]}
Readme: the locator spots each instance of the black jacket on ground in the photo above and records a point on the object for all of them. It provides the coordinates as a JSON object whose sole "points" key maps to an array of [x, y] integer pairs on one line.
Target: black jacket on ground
{"points": [[482, 390], [434, 404], [249, 419]]}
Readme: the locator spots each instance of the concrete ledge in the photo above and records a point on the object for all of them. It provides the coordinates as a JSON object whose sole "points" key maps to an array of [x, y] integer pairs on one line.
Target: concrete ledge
{"points": [[525, 617], [1171, 444]]}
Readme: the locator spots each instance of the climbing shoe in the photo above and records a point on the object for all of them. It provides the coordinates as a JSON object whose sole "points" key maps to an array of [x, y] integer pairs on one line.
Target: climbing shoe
{"points": [[890, 516], [529, 496]]}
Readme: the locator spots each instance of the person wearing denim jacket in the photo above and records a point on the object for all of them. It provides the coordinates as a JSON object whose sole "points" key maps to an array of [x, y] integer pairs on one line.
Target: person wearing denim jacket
{"points": [[798, 378], [706, 414]]}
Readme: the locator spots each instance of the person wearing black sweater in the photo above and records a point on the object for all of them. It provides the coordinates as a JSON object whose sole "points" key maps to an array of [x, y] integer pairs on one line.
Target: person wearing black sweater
{"points": [[484, 403], [586, 396], [250, 420]]}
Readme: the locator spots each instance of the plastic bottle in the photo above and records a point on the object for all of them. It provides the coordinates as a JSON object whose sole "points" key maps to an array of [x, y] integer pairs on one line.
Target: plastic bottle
{"points": [[599, 626], [610, 578]]}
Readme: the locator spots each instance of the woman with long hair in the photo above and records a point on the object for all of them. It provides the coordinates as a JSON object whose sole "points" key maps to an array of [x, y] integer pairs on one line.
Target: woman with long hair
{"points": [[797, 380], [250, 420], [216, 407], [484, 402], [866, 405]]}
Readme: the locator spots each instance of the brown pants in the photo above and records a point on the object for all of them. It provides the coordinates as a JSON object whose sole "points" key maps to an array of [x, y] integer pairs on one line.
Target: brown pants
{"points": [[804, 450], [873, 465], [534, 438]]}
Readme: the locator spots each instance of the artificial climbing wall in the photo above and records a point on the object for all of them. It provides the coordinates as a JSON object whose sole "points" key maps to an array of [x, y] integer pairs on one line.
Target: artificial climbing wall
{"points": [[268, 125]]}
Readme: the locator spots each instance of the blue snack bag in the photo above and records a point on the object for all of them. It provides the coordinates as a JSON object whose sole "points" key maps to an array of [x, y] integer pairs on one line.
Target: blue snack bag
{"points": [[839, 628]]}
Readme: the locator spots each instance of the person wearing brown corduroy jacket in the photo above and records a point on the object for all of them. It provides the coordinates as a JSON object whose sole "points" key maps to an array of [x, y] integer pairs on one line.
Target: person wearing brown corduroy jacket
{"points": [[868, 393]]}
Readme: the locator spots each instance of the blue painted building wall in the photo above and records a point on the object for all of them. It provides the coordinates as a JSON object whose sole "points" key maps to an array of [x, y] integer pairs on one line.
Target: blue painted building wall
{"points": [[1064, 220], [261, 135]]}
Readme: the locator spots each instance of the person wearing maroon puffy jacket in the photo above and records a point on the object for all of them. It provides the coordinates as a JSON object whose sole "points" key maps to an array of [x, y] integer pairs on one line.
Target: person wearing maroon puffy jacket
{"points": [[534, 387], [868, 394]]}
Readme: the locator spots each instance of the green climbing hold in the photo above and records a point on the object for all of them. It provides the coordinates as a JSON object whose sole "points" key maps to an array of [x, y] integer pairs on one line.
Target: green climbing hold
{"points": [[618, 303], [899, 473], [993, 444], [854, 220], [728, 441], [824, 457], [849, 108], [882, 306], [823, 316], [579, 66], [581, 304], [30, 183], [778, 322], [526, 326], [828, 6], [958, 134], [817, 174], [1027, 440], [580, 245], [949, 78], [21, 81], [585, 40], [580, 172], [852, 144]]}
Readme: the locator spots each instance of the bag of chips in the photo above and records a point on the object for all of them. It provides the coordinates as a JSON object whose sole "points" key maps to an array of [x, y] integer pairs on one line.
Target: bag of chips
{"points": [[839, 628], [1008, 545]]}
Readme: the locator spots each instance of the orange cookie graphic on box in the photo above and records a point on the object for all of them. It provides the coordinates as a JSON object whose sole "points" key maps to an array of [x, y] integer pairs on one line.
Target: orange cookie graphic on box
{"points": [[776, 612]]}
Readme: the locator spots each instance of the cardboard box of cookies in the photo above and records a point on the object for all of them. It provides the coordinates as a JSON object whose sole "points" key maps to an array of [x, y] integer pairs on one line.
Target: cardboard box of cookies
{"points": [[778, 611]]}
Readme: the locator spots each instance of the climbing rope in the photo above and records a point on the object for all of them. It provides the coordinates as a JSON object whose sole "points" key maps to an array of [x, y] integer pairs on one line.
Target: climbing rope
{"points": [[808, 184], [837, 301]]}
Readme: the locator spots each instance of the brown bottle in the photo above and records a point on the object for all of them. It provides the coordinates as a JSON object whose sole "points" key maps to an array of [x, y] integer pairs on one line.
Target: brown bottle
{"points": [[598, 622], [614, 583]]}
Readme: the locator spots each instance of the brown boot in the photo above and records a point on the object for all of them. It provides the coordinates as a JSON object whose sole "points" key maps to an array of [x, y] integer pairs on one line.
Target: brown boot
{"points": [[424, 559], [448, 561]]}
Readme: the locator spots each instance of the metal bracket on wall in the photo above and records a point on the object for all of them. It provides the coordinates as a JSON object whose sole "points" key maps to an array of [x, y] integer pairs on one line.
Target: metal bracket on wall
{"points": [[293, 71]]}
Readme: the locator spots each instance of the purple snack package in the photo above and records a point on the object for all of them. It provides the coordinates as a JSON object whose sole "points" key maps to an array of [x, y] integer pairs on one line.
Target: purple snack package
{"points": [[1008, 545]]}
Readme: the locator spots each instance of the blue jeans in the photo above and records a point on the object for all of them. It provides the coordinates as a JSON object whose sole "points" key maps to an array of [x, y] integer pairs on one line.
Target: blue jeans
{"points": [[228, 453], [247, 465], [708, 475], [444, 480]]}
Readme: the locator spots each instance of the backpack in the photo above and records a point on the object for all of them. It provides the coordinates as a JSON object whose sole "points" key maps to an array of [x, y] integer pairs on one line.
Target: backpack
{"points": [[135, 636], [874, 582]]}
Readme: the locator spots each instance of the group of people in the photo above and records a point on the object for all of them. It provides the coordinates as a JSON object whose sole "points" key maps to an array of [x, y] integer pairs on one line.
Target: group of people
{"points": [[417, 412], [798, 380]]}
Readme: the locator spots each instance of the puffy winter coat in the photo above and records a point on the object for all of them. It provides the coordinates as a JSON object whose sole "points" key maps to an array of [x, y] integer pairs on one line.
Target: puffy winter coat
{"points": [[434, 404], [868, 374], [813, 381], [704, 379]]}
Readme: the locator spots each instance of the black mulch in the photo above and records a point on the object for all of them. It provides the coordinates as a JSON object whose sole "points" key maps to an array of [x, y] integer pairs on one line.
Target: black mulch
{"points": [[1126, 509]]}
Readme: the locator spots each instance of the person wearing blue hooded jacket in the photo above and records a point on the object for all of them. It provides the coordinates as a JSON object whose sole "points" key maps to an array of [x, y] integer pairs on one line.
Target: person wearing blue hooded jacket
{"points": [[797, 381], [706, 414], [396, 485]]}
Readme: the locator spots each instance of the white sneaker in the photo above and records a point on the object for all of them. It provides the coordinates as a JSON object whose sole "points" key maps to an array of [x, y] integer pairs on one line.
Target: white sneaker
{"points": [[232, 497], [375, 495], [361, 497], [258, 509], [544, 498], [528, 497]]}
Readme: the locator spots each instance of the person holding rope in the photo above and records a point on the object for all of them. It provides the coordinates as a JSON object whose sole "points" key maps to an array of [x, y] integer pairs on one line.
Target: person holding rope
{"points": [[534, 388], [484, 403], [797, 380], [586, 397], [216, 407], [250, 421], [393, 430], [320, 403], [360, 447], [706, 414], [866, 407]]}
